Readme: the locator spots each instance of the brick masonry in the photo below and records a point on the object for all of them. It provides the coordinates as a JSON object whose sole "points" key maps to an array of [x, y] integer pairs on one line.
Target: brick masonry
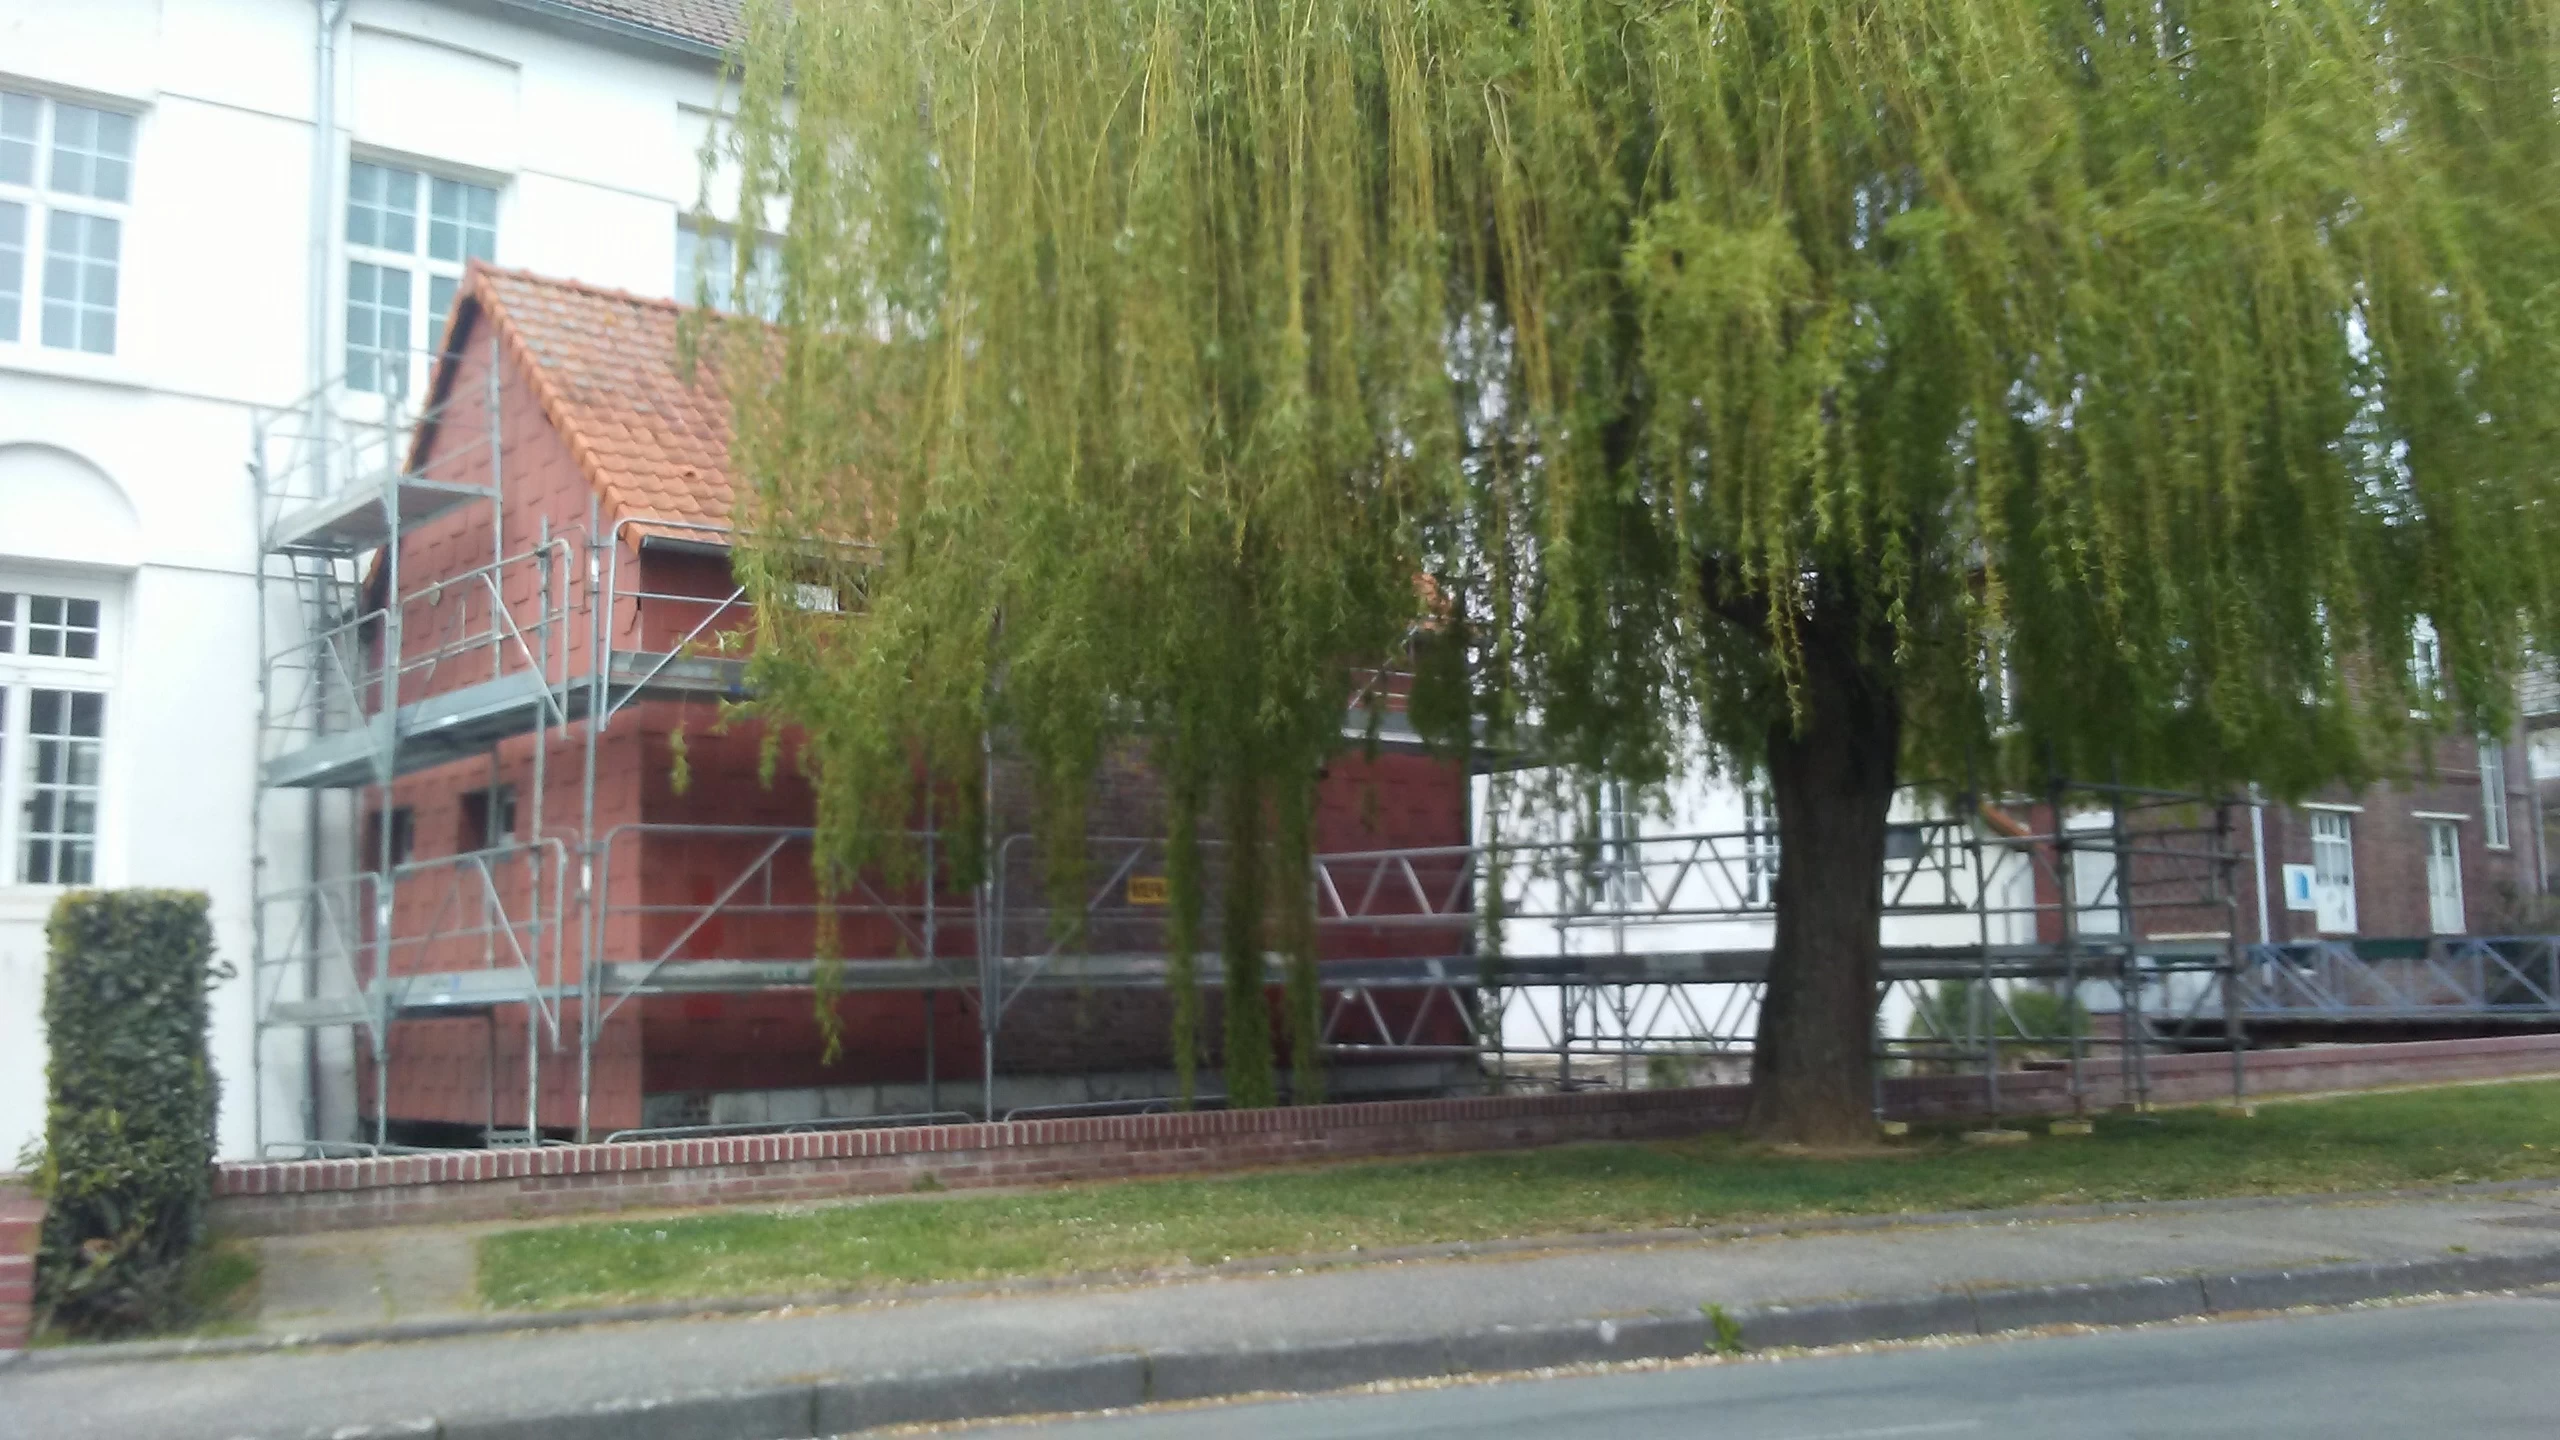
{"points": [[21, 1217], [306, 1195], [600, 432]]}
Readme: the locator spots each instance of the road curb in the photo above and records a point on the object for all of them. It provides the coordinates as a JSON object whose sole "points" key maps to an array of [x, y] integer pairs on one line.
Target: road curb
{"points": [[1124, 1379]]}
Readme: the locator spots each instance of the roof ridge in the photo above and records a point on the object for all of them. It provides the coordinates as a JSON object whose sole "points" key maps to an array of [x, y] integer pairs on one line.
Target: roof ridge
{"points": [[601, 292]]}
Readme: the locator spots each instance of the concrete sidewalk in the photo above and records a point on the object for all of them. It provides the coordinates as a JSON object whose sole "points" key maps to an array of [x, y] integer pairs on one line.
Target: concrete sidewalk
{"points": [[786, 1374]]}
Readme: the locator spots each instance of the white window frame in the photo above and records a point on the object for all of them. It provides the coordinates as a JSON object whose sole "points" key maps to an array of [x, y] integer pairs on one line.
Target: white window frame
{"points": [[2443, 860], [2333, 863], [2097, 907], [2494, 830], [420, 269], [38, 206], [706, 267], [21, 675], [1759, 846], [2426, 668]]}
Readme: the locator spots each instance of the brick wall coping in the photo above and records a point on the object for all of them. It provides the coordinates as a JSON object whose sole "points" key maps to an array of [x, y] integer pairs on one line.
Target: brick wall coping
{"points": [[289, 1177], [2175, 1078]]}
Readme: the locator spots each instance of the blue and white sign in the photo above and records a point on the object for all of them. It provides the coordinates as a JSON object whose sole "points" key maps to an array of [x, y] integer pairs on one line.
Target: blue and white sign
{"points": [[2297, 888]]}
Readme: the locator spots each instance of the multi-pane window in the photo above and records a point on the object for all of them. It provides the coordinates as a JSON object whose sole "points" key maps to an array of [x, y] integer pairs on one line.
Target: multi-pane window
{"points": [[13, 266], [408, 237], [707, 270], [2445, 914], [2333, 872], [2493, 793], [53, 726], [66, 729], [1759, 846], [1617, 874], [2426, 665], [66, 175]]}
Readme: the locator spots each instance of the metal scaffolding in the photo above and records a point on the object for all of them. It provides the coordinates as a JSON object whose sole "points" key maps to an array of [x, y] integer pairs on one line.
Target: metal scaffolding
{"points": [[2016, 926], [365, 676], [1617, 950]]}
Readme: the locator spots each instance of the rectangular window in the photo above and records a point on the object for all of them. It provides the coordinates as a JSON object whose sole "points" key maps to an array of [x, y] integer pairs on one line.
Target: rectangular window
{"points": [[66, 729], [66, 175], [92, 152], [63, 627], [2333, 872], [18, 127], [398, 267], [707, 270], [404, 836], [1759, 847], [2493, 793], [486, 826], [13, 266], [80, 282], [53, 730], [377, 328], [2444, 878], [2426, 667], [57, 627]]}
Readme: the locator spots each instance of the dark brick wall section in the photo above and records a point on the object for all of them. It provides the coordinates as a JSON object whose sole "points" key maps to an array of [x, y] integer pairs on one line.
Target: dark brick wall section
{"points": [[292, 1196], [21, 1216]]}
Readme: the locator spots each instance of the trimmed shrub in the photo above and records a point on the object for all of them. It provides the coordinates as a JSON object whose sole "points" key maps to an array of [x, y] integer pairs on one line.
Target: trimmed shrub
{"points": [[127, 1163]]}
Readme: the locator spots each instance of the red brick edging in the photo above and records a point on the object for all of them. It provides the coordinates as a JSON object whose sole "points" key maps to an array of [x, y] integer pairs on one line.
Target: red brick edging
{"points": [[21, 1219], [289, 1196]]}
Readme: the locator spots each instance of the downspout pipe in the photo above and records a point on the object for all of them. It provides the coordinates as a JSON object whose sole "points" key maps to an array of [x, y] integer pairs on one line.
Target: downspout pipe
{"points": [[324, 211], [324, 195], [2258, 859]]}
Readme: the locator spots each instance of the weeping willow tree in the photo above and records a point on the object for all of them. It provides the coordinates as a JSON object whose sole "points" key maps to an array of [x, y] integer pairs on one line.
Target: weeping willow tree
{"points": [[1881, 389]]}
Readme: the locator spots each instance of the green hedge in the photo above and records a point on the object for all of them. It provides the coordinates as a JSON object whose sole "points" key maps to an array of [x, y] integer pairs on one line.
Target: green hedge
{"points": [[130, 1108]]}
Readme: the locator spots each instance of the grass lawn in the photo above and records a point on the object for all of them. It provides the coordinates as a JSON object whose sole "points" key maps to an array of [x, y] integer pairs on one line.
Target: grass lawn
{"points": [[2370, 1142]]}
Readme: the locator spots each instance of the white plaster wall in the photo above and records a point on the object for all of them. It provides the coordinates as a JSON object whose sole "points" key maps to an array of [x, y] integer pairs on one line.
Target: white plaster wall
{"points": [[591, 146]]}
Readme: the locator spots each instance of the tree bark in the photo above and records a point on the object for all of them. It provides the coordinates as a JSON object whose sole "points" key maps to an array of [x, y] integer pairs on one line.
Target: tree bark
{"points": [[1832, 777]]}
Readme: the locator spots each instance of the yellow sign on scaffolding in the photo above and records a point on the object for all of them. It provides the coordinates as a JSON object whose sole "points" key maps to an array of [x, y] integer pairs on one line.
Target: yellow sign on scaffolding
{"points": [[1149, 890]]}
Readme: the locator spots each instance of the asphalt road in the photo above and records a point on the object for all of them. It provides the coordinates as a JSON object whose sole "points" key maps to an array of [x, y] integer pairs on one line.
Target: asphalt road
{"points": [[2469, 1369]]}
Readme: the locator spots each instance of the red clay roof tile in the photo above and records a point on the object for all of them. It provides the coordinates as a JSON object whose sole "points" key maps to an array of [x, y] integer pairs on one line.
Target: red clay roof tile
{"points": [[603, 364]]}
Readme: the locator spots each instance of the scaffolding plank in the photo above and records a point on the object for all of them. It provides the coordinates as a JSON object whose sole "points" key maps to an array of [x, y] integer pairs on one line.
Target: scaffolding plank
{"points": [[319, 1011], [356, 520], [430, 732], [1691, 967]]}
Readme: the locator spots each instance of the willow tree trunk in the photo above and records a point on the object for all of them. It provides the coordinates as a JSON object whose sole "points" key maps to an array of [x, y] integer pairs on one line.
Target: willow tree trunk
{"points": [[1832, 777]]}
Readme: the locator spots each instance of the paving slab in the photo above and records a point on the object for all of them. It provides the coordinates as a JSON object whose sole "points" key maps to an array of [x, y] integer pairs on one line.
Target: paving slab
{"points": [[503, 1384], [344, 1279]]}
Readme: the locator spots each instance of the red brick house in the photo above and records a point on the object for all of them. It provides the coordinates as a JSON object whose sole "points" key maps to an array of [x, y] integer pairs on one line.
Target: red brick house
{"points": [[554, 669], [2450, 848]]}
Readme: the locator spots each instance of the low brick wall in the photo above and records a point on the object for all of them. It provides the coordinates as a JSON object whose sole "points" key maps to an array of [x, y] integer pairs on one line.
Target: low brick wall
{"points": [[21, 1217], [2202, 1079], [301, 1195]]}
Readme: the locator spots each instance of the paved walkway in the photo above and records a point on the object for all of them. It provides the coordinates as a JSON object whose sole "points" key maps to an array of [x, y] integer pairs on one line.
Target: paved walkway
{"points": [[313, 1391], [311, 1284]]}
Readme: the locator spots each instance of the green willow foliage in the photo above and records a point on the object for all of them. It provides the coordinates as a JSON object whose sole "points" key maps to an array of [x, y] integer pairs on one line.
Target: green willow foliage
{"points": [[2165, 357]]}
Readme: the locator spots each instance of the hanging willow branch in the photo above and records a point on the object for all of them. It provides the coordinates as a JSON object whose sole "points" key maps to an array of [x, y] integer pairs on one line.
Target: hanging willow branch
{"points": [[2178, 361]]}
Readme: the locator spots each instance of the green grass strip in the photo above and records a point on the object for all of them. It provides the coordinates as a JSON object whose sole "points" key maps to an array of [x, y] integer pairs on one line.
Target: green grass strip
{"points": [[2431, 1137]]}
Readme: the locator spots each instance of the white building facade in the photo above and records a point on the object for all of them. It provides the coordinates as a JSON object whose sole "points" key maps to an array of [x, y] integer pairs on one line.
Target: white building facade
{"points": [[210, 209]]}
